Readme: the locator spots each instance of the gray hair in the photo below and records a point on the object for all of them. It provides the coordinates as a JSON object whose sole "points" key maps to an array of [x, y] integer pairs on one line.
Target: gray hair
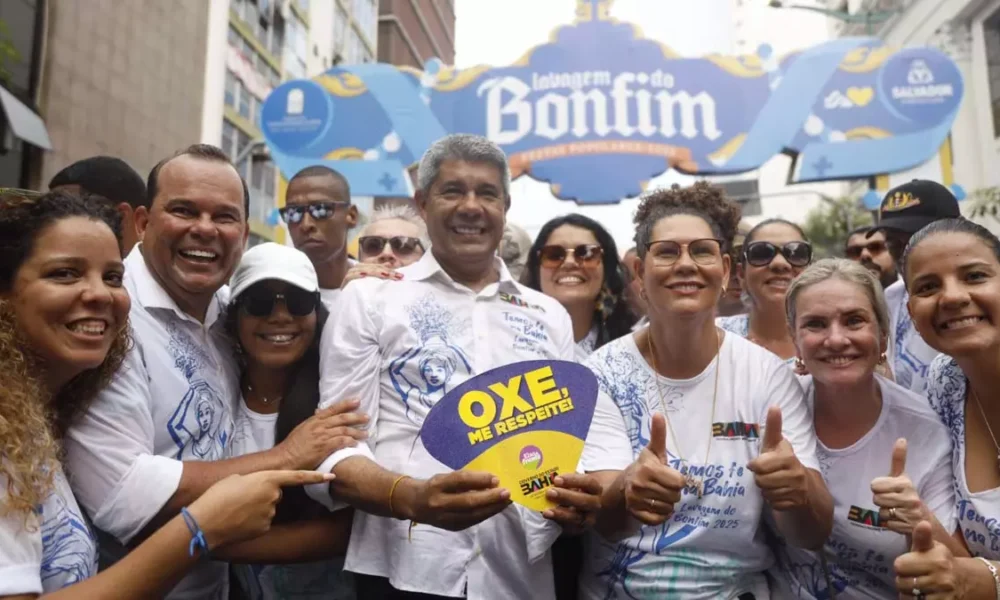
{"points": [[402, 212], [465, 147], [845, 270]]}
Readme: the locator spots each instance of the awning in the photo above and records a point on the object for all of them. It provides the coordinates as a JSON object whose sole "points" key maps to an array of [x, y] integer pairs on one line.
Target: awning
{"points": [[24, 122]]}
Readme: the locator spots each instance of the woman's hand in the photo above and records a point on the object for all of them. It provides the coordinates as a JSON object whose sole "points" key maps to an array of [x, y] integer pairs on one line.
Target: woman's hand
{"points": [[651, 487], [241, 507], [900, 507], [330, 429], [578, 500], [928, 570], [361, 270], [782, 479]]}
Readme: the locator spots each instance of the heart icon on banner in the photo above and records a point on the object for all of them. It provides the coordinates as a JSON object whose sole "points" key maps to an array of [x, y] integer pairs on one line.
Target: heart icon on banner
{"points": [[860, 96]]}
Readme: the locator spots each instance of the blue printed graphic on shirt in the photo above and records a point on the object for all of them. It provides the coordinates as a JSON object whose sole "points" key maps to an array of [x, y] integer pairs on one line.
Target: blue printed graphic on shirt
{"points": [[421, 374], [69, 549], [978, 514], [201, 425]]}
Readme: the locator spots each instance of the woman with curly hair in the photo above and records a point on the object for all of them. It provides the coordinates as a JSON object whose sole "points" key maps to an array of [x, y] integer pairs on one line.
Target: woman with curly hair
{"points": [[575, 261], [63, 335], [774, 252], [720, 432]]}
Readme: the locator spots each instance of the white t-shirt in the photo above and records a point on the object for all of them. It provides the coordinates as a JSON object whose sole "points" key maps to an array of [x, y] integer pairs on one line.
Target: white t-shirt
{"points": [[49, 550], [978, 513], [713, 547], [860, 552], [319, 580], [740, 325], [909, 354], [329, 297]]}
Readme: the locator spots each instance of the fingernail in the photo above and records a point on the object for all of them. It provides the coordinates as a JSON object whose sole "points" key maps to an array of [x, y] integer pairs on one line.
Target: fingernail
{"points": [[364, 275], [329, 476], [547, 514], [551, 493], [495, 481], [397, 275], [559, 481]]}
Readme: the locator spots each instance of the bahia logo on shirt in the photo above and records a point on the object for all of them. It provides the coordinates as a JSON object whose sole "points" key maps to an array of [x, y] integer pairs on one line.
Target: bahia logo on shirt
{"points": [[864, 517], [531, 457], [736, 430]]}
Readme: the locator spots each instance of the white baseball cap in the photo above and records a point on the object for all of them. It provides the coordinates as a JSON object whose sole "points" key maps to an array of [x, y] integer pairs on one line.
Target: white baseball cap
{"points": [[274, 261]]}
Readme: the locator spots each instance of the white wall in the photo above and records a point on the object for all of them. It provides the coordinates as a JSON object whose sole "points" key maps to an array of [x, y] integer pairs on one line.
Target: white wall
{"points": [[215, 72], [321, 15]]}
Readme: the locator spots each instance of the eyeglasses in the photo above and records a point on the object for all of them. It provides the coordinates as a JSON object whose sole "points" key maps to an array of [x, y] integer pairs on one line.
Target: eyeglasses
{"points": [[873, 248], [260, 302], [317, 210], [401, 245], [588, 255], [760, 254], [705, 251]]}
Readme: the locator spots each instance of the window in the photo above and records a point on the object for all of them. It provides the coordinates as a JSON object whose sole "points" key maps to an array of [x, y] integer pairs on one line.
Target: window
{"points": [[243, 100], [340, 29], [228, 143], [231, 90], [233, 37], [991, 35], [242, 140]]}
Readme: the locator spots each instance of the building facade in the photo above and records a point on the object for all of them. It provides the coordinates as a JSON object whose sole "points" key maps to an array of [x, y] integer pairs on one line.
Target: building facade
{"points": [[413, 31], [21, 35]]}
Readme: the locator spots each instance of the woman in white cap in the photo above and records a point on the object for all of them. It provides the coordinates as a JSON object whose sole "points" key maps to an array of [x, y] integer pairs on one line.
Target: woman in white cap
{"points": [[276, 318]]}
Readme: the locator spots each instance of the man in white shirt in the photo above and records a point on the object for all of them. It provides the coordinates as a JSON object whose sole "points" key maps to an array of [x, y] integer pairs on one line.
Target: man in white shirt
{"points": [[159, 435], [400, 346], [319, 213], [906, 210]]}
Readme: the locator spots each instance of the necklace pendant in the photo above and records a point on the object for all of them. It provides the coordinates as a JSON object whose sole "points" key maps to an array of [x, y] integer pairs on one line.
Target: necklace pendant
{"points": [[696, 484]]}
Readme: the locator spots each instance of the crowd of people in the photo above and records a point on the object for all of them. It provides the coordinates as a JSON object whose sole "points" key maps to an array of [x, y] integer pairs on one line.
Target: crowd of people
{"points": [[184, 418]]}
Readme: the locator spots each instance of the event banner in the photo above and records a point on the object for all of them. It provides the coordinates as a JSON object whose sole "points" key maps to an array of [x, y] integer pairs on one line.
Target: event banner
{"points": [[599, 110], [525, 423]]}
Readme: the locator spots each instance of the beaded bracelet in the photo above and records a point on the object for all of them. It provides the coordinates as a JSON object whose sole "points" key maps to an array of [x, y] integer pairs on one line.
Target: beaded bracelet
{"points": [[994, 573], [197, 535]]}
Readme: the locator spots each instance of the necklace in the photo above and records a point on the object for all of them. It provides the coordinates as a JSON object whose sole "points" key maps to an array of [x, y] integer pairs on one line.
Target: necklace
{"points": [[986, 422], [697, 483], [262, 398]]}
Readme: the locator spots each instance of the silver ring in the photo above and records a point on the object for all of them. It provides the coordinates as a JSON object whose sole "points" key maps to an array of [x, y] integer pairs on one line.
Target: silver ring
{"points": [[892, 513], [916, 591], [652, 503]]}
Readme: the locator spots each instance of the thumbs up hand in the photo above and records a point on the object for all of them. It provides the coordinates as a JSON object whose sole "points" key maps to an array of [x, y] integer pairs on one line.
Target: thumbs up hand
{"points": [[928, 569], [782, 479], [651, 487], [900, 507]]}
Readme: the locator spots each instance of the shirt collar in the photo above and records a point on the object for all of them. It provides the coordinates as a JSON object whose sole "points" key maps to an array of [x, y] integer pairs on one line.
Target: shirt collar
{"points": [[428, 267], [147, 292]]}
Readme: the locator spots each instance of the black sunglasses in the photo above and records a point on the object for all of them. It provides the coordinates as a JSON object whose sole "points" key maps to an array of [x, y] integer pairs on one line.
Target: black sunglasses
{"points": [[760, 254], [401, 245], [260, 302], [585, 254], [317, 210]]}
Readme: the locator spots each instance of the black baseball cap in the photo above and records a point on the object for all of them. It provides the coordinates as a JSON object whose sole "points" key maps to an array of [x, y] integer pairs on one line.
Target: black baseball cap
{"points": [[914, 205]]}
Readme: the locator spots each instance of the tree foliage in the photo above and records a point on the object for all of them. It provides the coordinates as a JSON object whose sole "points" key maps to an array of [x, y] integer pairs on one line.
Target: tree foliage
{"points": [[827, 225], [8, 53], [985, 203]]}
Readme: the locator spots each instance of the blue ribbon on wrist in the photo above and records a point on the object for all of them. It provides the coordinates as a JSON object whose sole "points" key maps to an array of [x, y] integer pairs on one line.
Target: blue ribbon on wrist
{"points": [[197, 535]]}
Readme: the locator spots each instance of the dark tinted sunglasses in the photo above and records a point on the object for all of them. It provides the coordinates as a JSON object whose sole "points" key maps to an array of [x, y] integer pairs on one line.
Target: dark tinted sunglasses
{"points": [[584, 254], [401, 245], [760, 254], [873, 248], [317, 210], [261, 301]]}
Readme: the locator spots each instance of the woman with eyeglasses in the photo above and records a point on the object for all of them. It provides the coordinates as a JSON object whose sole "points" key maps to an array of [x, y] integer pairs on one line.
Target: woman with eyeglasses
{"points": [[774, 252], [952, 275], [64, 334], [275, 318], [575, 260], [884, 454], [719, 428]]}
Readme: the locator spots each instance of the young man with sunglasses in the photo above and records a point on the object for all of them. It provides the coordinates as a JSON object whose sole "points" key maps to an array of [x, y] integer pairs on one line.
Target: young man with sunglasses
{"points": [[905, 210], [319, 213], [399, 347], [870, 248], [394, 237]]}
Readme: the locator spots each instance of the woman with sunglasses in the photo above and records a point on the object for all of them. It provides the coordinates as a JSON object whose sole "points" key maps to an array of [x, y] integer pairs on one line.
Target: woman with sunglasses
{"points": [[276, 318], [774, 252], [719, 426], [575, 260], [883, 452], [952, 275], [64, 334]]}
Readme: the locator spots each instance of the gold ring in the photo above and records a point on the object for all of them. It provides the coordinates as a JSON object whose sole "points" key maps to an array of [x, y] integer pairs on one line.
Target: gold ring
{"points": [[652, 503], [892, 513]]}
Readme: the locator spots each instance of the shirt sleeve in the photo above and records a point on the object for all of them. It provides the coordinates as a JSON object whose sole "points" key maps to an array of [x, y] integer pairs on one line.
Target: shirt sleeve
{"points": [[785, 392], [349, 367], [607, 447], [936, 488], [20, 552], [111, 464]]}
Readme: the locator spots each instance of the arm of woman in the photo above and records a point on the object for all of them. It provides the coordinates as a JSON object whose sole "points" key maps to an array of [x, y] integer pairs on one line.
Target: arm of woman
{"points": [[234, 509], [298, 542]]}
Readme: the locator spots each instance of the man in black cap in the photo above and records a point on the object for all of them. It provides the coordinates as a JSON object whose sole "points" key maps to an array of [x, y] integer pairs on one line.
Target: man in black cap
{"points": [[906, 210]]}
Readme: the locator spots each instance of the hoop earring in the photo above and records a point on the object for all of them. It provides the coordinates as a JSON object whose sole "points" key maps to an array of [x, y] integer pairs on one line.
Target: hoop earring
{"points": [[882, 359]]}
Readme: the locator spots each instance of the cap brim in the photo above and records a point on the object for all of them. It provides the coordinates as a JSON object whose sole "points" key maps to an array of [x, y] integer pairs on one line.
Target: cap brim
{"points": [[904, 224]]}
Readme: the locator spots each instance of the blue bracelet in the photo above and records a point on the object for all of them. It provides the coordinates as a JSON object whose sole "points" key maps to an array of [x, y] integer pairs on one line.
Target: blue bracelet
{"points": [[197, 535]]}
